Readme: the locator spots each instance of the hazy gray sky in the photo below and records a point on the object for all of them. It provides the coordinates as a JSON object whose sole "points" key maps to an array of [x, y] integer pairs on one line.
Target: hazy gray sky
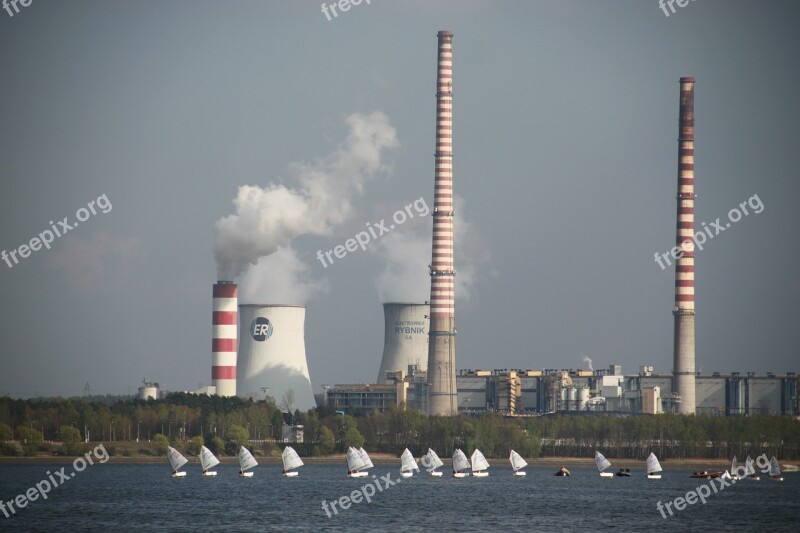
{"points": [[565, 127]]}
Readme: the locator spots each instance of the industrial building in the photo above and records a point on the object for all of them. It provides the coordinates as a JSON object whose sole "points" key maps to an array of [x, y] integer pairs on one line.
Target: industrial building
{"points": [[405, 339], [516, 392]]}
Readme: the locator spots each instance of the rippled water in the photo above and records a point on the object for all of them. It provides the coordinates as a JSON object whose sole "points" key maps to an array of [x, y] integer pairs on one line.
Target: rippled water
{"points": [[131, 497]]}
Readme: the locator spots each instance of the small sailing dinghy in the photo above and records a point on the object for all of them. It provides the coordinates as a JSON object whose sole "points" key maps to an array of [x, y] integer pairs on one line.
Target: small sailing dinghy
{"points": [[291, 460], [653, 467], [602, 463], [479, 464], [246, 462], [431, 461], [208, 461], [460, 463], [176, 460], [356, 466], [407, 464], [751, 471], [734, 466], [775, 469], [517, 464]]}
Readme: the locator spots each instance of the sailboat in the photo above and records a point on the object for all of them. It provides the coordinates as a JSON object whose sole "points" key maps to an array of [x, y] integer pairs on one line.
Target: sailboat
{"points": [[517, 464], [653, 467], [431, 461], [246, 462], [479, 464], [602, 463], [291, 461], [734, 466], [176, 460], [748, 465], [208, 461], [460, 463], [407, 464], [775, 469], [356, 466]]}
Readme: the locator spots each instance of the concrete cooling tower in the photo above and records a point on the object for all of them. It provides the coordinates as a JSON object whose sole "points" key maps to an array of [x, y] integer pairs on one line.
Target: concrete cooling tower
{"points": [[272, 354], [405, 340]]}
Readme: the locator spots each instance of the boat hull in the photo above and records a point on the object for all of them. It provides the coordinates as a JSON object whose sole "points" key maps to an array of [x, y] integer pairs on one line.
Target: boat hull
{"points": [[653, 476], [460, 474], [179, 474], [210, 473], [606, 474], [706, 475], [436, 473], [480, 474], [294, 473], [776, 478], [358, 474], [246, 474], [406, 474], [520, 473]]}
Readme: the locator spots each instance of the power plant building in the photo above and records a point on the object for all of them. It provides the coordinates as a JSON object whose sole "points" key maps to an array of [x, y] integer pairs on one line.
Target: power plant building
{"points": [[272, 354]]}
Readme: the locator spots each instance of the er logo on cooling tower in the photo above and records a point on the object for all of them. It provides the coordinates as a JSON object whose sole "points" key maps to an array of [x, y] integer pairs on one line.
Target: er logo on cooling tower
{"points": [[261, 329]]}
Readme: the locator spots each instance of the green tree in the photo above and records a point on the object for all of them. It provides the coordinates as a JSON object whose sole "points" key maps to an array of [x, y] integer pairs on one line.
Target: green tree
{"points": [[161, 443], [69, 434], [238, 435], [193, 448], [352, 437], [327, 442], [29, 438], [5, 432]]}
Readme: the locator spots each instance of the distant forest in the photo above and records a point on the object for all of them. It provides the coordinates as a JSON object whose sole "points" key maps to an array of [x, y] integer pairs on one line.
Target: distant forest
{"points": [[186, 421]]}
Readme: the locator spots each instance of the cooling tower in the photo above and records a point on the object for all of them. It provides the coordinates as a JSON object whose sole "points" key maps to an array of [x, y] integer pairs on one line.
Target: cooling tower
{"points": [[272, 354], [684, 346], [405, 340], [443, 399], [223, 338]]}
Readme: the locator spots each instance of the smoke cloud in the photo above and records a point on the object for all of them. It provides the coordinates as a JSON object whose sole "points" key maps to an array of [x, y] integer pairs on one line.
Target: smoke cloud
{"points": [[280, 278], [587, 361], [269, 218]]}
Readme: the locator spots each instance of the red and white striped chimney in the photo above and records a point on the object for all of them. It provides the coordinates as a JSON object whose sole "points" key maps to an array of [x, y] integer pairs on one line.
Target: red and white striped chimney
{"points": [[684, 340], [443, 399], [224, 324]]}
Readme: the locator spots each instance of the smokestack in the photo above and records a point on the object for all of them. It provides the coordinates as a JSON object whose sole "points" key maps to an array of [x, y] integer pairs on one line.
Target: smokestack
{"points": [[272, 355], [443, 399], [405, 340], [224, 323], [684, 354]]}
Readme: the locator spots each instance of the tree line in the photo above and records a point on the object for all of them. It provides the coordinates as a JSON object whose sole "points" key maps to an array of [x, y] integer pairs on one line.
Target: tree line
{"points": [[188, 421]]}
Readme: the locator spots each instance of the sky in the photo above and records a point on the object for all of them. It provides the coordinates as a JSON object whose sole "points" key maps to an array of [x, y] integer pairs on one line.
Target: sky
{"points": [[193, 140]]}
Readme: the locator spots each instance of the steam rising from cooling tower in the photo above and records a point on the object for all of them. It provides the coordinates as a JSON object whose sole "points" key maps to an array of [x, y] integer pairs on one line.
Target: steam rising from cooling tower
{"points": [[684, 343], [443, 399], [405, 340]]}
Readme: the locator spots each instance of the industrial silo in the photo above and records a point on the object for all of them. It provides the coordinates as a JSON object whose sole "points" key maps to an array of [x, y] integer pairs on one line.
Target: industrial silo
{"points": [[272, 354], [405, 340]]}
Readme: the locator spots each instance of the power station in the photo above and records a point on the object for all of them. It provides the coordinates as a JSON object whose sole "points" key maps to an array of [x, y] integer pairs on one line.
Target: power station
{"points": [[405, 338], [272, 354], [443, 397], [223, 337], [684, 345]]}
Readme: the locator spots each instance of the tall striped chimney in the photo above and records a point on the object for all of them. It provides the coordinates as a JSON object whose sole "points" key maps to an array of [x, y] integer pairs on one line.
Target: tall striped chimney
{"points": [[443, 398], [684, 354], [224, 324]]}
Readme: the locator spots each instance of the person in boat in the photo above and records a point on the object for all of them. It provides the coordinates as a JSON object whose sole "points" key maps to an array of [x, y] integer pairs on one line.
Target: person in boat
{"points": [[562, 471], [287, 471], [241, 471]]}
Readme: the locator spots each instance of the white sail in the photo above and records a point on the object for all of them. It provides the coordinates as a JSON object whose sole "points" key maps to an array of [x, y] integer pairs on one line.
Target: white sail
{"points": [[774, 468], [246, 459], [407, 462], [365, 458], [601, 461], [176, 460], [733, 465], [653, 465], [459, 461], [432, 460], [479, 462], [354, 460], [207, 459], [517, 461], [291, 459]]}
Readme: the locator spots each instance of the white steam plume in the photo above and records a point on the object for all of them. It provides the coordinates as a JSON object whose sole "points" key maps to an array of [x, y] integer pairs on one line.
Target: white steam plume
{"points": [[279, 278], [585, 359], [267, 218]]}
